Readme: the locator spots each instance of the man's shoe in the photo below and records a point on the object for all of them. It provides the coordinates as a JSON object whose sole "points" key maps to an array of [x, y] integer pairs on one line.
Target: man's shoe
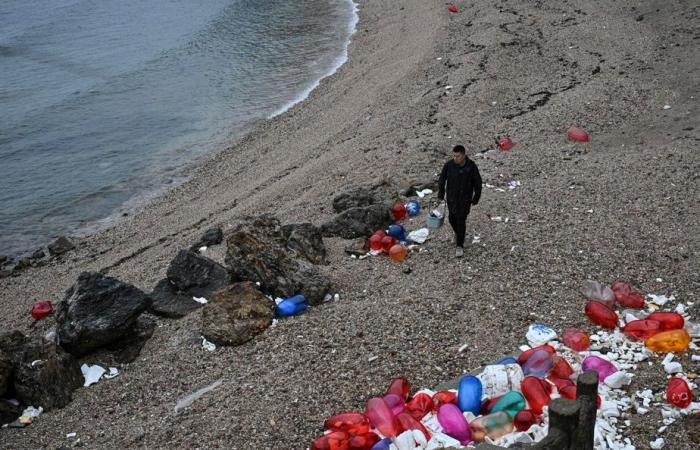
{"points": [[459, 252]]}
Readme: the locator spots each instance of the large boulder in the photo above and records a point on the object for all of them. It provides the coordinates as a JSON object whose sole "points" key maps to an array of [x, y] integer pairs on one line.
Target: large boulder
{"points": [[98, 311], [236, 314], [129, 348], [358, 222], [43, 374], [256, 251], [189, 275], [355, 197], [306, 241]]}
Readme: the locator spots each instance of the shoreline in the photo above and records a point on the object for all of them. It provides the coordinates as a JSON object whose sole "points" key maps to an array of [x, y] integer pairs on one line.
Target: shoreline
{"points": [[518, 69]]}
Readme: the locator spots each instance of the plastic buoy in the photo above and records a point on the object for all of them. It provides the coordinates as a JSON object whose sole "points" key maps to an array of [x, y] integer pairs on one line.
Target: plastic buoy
{"points": [[452, 8], [505, 144], [398, 212], [41, 310], [577, 135], [397, 253]]}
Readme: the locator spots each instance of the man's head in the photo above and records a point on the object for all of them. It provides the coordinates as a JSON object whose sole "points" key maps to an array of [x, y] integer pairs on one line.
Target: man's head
{"points": [[459, 154]]}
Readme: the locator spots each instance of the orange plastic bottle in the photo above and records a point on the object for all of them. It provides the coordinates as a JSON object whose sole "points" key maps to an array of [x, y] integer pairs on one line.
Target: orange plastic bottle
{"points": [[669, 341]]}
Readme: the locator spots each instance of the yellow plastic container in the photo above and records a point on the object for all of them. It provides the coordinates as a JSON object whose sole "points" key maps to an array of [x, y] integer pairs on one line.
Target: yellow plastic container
{"points": [[669, 341]]}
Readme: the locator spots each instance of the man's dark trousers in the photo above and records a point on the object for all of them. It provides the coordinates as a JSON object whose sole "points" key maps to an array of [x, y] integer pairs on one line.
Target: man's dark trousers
{"points": [[458, 220]]}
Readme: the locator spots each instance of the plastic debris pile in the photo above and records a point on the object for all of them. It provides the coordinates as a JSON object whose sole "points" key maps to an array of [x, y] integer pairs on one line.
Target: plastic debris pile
{"points": [[507, 402]]}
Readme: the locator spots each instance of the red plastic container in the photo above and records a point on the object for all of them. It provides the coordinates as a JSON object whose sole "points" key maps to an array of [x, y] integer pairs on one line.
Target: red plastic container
{"points": [[561, 383], [337, 440], [577, 135], [601, 315], [443, 397], [398, 212], [41, 310], [524, 356], [678, 393], [400, 387], [363, 441], [505, 143], [561, 368], [626, 296], [525, 419], [535, 393], [387, 243], [668, 320], [576, 340], [381, 417], [641, 330], [354, 423], [420, 405], [407, 422], [452, 8], [375, 242]]}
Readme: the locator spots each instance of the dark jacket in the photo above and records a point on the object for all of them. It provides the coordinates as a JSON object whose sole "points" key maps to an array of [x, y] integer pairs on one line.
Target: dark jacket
{"points": [[463, 185]]}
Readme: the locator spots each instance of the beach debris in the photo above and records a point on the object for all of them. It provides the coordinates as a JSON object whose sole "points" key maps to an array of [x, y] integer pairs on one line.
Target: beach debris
{"points": [[476, 239], [291, 306], [419, 236], [398, 212], [660, 300], [29, 414], [42, 310], [678, 393], [424, 192], [200, 300], [593, 290], [413, 208], [452, 8], [113, 373], [208, 346], [514, 184], [538, 334], [187, 401], [71, 435], [504, 143], [92, 374], [657, 444], [667, 106], [575, 134]]}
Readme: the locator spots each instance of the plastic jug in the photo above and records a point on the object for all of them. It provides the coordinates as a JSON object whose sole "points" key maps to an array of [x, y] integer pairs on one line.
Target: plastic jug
{"points": [[443, 397], [387, 243], [524, 356], [641, 330], [668, 320], [453, 423], [381, 417], [291, 306], [601, 315], [395, 403], [576, 340], [561, 368], [671, 341], [354, 423]]}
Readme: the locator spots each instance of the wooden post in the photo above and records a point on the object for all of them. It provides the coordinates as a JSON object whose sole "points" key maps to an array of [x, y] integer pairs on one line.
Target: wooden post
{"points": [[586, 392]]}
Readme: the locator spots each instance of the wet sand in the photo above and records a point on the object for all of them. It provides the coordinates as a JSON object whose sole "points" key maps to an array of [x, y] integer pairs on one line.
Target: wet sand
{"points": [[623, 206]]}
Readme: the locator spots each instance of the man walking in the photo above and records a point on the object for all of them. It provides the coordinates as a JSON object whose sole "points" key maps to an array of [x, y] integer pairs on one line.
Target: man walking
{"points": [[463, 181]]}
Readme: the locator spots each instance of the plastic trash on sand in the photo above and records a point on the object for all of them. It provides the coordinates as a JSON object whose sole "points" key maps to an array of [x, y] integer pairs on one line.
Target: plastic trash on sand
{"points": [[424, 192], [641, 330], [601, 315], [92, 374], [576, 340], [453, 423], [678, 393], [419, 236], [575, 134], [538, 364], [413, 208], [420, 405], [627, 296], [511, 403], [668, 320], [672, 341], [387, 243], [395, 403], [291, 306], [469, 394], [29, 414], [398, 232], [536, 393], [398, 253], [200, 300], [538, 334], [494, 425], [452, 8], [603, 367], [188, 400], [593, 290], [399, 386], [398, 212], [504, 143], [208, 346], [499, 379], [381, 417], [41, 310], [355, 423]]}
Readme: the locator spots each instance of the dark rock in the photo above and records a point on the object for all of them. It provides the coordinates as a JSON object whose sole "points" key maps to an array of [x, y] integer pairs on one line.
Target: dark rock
{"points": [[50, 382], [97, 311], [4, 273], [5, 372], [355, 197], [196, 275], [3, 259], [256, 252], [9, 411], [22, 264], [212, 236], [305, 241], [692, 427], [171, 303], [236, 314], [358, 247], [38, 254], [128, 349], [358, 222], [60, 246]]}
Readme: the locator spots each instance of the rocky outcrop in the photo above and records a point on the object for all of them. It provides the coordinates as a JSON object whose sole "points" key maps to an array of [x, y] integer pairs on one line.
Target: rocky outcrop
{"points": [[306, 241], [5, 372], [256, 251], [60, 246], [98, 311], [358, 222], [189, 275], [42, 373], [355, 197], [236, 314]]}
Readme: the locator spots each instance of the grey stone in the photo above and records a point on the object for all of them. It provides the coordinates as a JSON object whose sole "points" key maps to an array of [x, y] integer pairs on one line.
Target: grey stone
{"points": [[358, 247], [212, 236], [358, 222], [236, 314], [38, 254], [60, 246], [196, 275], [306, 241], [97, 311], [129, 348]]}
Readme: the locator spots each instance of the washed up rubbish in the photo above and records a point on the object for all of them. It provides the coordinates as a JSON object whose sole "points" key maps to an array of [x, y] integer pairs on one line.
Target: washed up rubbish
{"points": [[424, 192], [668, 320], [671, 367], [627, 296], [672, 341], [525, 355], [641, 330], [601, 315], [395, 403], [469, 394], [504, 143], [511, 403], [113, 372], [494, 426], [538, 334], [384, 444], [420, 405], [41, 310], [536, 393], [678, 393], [291, 306], [618, 379], [333, 440], [413, 208], [400, 387], [418, 236], [188, 400], [208, 346], [602, 366], [355, 423], [657, 444], [408, 422], [514, 184], [452, 8], [453, 423], [200, 300], [525, 419], [375, 241], [577, 135], [576, 340], [539, 364], [381, 417], [444, 397], [398, 253], [660, 300], [29, 414], [363, 441], [593, 290], [398, 232], [92, 374], [498, 379], [410, 440], [387, 243], [398, 212]]}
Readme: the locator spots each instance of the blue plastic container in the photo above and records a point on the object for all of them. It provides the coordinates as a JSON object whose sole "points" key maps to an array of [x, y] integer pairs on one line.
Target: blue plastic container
{"points": [[413, 208], [291, 306], [398, 232], [469, 394]]}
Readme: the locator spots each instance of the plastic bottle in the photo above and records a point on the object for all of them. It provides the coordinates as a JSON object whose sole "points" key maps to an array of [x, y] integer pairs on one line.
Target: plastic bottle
{"points": [[395, 403], [576, 340], [604, 367], [381, 417], [601, 315], [336, 440], [375, 242], [493, 425], [398, 253], [399, 386], [539, 364], [420, 405], [536, 393], [524, 356], [505, 143], [626, 296], [408, 422], [364, 441], [511, 403], [671, 341], [469, 394], [641, 330], [41, 310], [577, 135], [668, 320], [443, 397], [678, 393], [354, 423], [453, 423], [291, 306], [525, 419], [387, 243], [398, 212], [561, 368]]}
